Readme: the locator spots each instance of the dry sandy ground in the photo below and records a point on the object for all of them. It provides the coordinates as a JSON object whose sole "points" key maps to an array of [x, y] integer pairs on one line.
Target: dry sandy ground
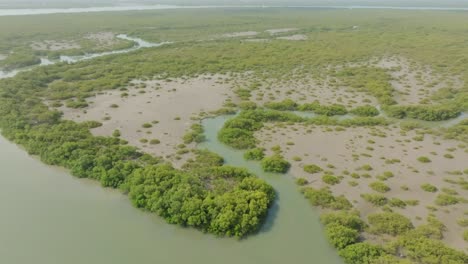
{"points": [[280, 30], [172, 104], [415, 83], [344, 150], [256, 40], [54, 45], [297, 37], [309, 90], [241, 34], [104, 39]]}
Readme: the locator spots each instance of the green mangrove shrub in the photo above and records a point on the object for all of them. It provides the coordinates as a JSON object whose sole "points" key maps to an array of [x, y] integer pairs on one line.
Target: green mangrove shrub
{"points": [[275, 163], [254, 154]]}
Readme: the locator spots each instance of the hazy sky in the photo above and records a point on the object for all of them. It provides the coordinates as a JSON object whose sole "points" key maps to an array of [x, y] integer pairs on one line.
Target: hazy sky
{"points": [[47, 3]]}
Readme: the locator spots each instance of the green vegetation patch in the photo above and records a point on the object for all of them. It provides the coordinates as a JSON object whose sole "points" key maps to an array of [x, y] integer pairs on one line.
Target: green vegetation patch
{"points": [[238, 132], [424, 112], [312, 168], [341, 236], [429, 187], [254, 154], [276, 164], [327, 110], [365, 110], [361, 253], [375, 199], [325, 199], [372, 80], [424, 159], [389, 223], [196, 134], [330, 179], [379, 187], [446, 199]]}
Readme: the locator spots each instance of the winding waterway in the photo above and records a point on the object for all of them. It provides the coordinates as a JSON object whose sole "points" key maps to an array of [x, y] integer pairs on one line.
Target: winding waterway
{"points": [[139, 44], [50, 217]]}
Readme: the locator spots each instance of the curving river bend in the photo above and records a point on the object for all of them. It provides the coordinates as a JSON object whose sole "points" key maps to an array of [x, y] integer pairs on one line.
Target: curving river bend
{"points": [[51, 217]]}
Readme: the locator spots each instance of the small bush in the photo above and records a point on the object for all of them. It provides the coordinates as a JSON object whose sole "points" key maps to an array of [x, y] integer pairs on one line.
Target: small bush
{"points": [[395, 202], [56, 104], [92, 124], [116, 133], [341, 236], [247, 105], [312, 168], [428, 231], [375, 199], [446, 199], [348, 219], [154, 141], [196, 134], [297, 158], [388, 174], [431, 251], [285, 105], [385, 176], [301, 181], [449, 191], [379, 187], [330, 179], [448, 156], [325, 199], [412, 202], [147, 125], [366, 167], [366, 110], [237, 138], [389, 223], [275, 164], [254, 154], [429, 187], [328, 110], [463, 222], [361, 253], [76, 104], [424, 159]]}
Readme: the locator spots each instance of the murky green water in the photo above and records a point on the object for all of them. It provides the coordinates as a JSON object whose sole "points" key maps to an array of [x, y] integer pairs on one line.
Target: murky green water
{"points": [[49, 217]]}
